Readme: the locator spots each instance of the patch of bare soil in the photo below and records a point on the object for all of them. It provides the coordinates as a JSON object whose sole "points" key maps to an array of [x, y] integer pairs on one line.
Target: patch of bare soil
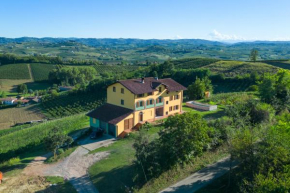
{"points": [[23, 184]]}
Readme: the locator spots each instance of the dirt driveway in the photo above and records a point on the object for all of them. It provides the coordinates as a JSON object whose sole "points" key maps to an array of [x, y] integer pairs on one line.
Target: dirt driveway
{"points": [[73, 168]]}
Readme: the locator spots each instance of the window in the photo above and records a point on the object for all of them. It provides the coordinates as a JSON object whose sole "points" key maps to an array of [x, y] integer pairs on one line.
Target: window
{"points": [[122, 102], [166, 112], [139, 104], [140, 95], [167, 102], [159, 100], [176, 107], [171, 98], [176, 97], [149, 93], [170, 109], [149, 102], [122, 90], [160, 89], [114, 89]]}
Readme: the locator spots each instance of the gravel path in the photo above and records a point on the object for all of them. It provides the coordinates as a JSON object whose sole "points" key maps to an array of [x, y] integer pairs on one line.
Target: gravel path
{"points": [[201, 178], [74, 167]]}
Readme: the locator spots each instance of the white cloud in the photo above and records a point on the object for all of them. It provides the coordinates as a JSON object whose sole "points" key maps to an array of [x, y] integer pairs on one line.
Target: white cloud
{"points": [[177, 37], [215, 35]]}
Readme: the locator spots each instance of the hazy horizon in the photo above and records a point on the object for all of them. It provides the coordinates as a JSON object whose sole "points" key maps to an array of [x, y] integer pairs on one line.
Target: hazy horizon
{"points": [[225, 20]]}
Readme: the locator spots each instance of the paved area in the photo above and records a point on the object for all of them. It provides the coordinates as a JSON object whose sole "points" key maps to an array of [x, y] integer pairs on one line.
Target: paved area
{"points": [[74, 167], [201, 178]]}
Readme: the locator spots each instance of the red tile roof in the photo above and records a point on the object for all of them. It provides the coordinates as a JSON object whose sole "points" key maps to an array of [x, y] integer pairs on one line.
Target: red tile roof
{"points": [[150, 84], [110, 113]]}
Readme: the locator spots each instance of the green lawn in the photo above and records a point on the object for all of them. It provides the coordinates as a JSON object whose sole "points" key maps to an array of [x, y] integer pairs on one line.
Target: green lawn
{"points": [[207, 114], [116, 172]]}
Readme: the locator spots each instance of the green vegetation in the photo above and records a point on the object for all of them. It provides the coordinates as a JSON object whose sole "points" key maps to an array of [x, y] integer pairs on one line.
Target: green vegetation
{"points": [[40, 71], [237, 68], [71, 76], [196, 90], [62, 186], [14, 71], [192, 63], [70, 104], [113, 51], [14, 143], [115, 68]]}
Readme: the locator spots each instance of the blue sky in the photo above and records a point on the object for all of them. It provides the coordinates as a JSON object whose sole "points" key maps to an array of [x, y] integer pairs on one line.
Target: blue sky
{"points": [[146, 19]]}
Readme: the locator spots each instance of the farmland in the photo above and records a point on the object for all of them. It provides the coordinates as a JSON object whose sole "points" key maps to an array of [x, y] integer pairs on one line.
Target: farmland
{"points": [[66, 105], [232, 86], [11, 116], [234, 68], [115, 68], [40, 71], [193, 63], [14, 143], [14, 71]]}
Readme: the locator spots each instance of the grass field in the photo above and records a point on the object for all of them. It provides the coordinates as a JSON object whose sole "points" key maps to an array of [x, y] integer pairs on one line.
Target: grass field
{"points": [[14, 71], [10, 85], [120, 165], [40, 71], [11, 116], [234, 68]]}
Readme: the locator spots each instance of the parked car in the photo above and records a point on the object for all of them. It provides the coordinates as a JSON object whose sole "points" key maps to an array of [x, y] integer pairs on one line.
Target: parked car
{"points": [[97, 134]]}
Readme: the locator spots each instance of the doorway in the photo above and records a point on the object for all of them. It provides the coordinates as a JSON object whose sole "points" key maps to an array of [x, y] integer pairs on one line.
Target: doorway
{"points": [[140, 117]]}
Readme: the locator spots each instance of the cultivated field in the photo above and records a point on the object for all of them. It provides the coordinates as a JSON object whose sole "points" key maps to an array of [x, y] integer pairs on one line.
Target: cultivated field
{"points": [[11, 116], [14, 71], [234, 68], [40, 71]]}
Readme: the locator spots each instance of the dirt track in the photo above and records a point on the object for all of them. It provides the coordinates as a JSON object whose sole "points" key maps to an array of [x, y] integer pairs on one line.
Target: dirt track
{"points": [[74, 167]]}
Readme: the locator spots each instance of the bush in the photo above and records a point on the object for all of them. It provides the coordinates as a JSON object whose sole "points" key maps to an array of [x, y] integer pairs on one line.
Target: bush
{"points": [[60, 151], [253, 88]]}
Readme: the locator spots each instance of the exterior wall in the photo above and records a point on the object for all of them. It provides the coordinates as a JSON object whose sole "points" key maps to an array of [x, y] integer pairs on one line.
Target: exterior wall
{"points": [[149, 113], [115, 97], [94, 122], [120, 125]]}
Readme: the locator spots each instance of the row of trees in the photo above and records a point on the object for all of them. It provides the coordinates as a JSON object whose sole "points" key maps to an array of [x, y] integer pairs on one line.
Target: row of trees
{"points": [[71, 76]]}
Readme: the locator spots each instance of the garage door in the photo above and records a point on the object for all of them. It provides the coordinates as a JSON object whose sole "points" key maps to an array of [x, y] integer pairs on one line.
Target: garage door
{"points": [[112, 130], [128, 123], [103, 125]]}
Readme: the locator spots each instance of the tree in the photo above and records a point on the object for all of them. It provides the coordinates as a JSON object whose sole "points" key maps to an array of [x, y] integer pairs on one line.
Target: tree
{"points": [[22, 88], [185, 136], [197, 90], [30, 91], [275, 89], [254, 55], [56, 139]]}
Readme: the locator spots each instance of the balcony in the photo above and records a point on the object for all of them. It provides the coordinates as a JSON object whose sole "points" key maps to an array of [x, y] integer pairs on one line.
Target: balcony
{"points": [[140, 108], [159, 104]]}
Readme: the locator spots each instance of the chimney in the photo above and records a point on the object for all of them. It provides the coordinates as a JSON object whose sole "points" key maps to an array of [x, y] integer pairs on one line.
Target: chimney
{"points": [[156, 78], [142, 80]]}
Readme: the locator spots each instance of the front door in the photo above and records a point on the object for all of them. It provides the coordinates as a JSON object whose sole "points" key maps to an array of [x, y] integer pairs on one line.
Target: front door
{"points": [[141, 117]]}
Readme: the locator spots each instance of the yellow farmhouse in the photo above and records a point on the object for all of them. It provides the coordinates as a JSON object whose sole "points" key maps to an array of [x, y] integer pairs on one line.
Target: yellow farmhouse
{"points": [[134, 101]]}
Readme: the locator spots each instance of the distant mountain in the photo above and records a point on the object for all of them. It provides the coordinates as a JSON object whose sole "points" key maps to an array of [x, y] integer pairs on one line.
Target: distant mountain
{"points": [[110, 41]]}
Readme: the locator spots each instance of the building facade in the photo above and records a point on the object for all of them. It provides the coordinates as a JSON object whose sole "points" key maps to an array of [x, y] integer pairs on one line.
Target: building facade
{"points": [[134, 101]]}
